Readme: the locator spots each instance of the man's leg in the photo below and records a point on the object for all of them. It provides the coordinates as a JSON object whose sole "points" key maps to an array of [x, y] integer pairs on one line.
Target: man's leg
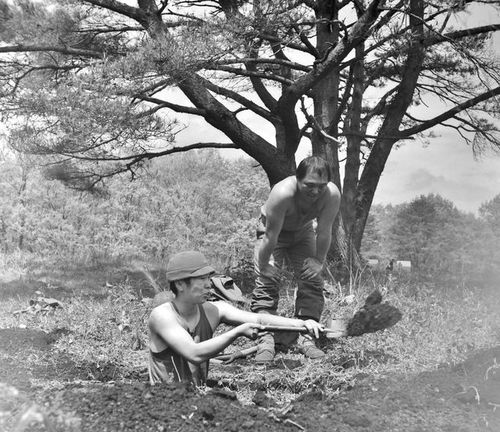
{"points": [[309, 301], [265, 295], [265, 299]]}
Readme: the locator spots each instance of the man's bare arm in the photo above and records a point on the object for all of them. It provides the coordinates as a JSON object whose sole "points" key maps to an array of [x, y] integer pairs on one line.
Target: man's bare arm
{"points": [[314, 265], [276, 207], [177, 338], [325, 222], [231, 315]]}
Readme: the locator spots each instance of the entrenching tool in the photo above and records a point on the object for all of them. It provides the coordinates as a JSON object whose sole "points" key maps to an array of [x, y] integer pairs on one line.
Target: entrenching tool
{"points": [[335, 328], [372, 317]]}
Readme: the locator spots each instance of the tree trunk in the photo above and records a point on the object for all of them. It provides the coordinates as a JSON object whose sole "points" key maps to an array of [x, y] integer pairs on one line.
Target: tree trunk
{"points": [[382, 147], [22, 204], [327, 111]]}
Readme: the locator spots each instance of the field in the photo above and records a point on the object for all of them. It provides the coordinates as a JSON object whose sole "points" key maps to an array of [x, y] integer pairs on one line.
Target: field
{"points": [[73, 358]]}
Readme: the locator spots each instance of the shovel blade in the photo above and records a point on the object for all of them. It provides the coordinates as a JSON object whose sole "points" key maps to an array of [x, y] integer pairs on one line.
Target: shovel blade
{"points": [[336, 328]]}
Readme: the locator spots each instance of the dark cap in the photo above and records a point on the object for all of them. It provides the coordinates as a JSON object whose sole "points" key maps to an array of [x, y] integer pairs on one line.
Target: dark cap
{"points": [[187, 264]]}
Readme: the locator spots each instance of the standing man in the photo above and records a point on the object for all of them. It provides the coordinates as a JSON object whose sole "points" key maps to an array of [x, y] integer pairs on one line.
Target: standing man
{"points": [[181, 331], [287, 233]]}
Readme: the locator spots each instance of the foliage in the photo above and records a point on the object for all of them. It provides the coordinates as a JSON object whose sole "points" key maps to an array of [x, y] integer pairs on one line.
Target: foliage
{"points": [[490, 213], [442, 243], [202, 201], [192, 201], [426, 231]]}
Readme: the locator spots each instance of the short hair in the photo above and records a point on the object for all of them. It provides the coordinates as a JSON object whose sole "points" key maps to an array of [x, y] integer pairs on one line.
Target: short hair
{"points": [[173, 287], [173, 284], [313, 164]]}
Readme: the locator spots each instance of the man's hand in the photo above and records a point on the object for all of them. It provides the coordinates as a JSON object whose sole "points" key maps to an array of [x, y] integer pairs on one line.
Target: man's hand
{"points": [[311, 268], [313, 327], [271, 272], [250, 330]]}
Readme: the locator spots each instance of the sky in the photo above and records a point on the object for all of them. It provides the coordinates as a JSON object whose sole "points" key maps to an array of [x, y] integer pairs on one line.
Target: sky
{"points": [[444, 166]]}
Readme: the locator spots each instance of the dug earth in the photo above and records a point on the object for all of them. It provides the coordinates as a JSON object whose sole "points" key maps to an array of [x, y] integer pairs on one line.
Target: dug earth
{"points": [[462, 397]]}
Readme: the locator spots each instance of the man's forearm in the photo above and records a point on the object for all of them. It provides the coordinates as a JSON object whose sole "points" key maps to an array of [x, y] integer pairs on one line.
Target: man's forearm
{"points": [[269, 319], [211, 347], [323, 242], [266, 249]]}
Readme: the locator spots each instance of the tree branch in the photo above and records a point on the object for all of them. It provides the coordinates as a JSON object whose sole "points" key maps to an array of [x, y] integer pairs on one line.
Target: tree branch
{"points": [[276, 61], [59, 49], [174, 107], [249, 73], [121, 8], [450, 113], [152, 155], [240, 99], [359, 32], [452, 36]]}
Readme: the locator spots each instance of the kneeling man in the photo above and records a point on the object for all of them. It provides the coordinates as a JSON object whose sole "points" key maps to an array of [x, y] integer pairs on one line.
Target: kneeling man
{"points": [[181, 331]]}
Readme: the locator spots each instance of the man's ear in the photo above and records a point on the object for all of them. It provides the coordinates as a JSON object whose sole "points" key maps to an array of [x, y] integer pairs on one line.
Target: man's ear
{"points": [[182, 284]]}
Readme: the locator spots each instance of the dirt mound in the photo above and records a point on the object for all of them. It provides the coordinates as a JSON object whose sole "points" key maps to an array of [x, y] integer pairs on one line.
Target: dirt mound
{"points": [[460, 397], [141, 407]]}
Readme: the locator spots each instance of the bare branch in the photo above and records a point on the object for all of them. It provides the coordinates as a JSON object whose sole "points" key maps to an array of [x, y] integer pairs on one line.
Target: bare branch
{"points": [[240, 99], [121, 8], [275, 61], [60, 49], [452, 36], [164, 104], [248, 73], [450, 113]]}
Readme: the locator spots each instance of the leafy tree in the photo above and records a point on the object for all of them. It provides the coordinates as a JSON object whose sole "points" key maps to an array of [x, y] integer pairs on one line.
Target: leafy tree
{"points": [[159, 213], [375, 244], [432, 234], [490, 212], [88, 80], [489, 238]]}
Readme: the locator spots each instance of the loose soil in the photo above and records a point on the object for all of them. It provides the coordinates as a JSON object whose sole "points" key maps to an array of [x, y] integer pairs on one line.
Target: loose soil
{"points": [[462, 397], [42, 390]]}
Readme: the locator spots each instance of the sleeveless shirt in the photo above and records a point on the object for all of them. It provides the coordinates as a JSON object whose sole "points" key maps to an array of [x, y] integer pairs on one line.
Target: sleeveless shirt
{"points": [[170, 366]]}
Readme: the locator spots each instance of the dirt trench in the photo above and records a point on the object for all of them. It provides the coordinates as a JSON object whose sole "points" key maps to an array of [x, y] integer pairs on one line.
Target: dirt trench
{"points": [[55, 395]]}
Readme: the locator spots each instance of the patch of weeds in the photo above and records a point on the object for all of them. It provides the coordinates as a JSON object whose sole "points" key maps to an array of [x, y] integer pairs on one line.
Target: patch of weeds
{"points": [[107, 336], [435, 329]]}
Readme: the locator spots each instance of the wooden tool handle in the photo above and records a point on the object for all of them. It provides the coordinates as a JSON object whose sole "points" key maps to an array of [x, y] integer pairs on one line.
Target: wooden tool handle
{"points": [[277, 328]]}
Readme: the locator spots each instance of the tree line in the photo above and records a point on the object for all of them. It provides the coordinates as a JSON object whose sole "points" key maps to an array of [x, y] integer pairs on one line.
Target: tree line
{"points": [[442, 243], [200, 200]]}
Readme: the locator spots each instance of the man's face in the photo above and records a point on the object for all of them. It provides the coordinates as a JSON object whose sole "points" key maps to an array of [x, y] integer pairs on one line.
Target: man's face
{"points": [[198, 289], [312, 186]]}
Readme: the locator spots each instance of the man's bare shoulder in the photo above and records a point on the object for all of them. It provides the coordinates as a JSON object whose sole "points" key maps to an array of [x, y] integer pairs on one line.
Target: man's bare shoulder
{"points": [[212, 307], [333, 191], [163, 313], [285, 189]]}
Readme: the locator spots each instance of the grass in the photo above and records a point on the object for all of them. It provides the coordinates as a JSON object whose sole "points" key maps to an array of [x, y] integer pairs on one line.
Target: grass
{"points": [[102, 329]]}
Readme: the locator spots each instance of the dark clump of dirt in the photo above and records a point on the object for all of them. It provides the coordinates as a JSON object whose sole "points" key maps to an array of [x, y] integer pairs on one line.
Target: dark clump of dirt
{"points": [[170, 407], [373, 317]]}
